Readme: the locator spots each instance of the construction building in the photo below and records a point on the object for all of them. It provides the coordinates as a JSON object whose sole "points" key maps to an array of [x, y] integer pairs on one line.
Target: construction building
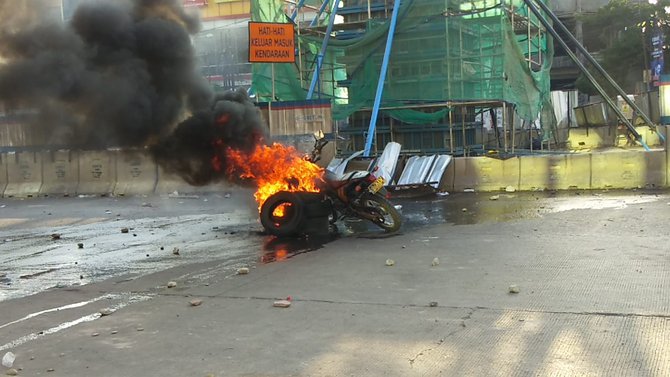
{"points": [[461, 75]]}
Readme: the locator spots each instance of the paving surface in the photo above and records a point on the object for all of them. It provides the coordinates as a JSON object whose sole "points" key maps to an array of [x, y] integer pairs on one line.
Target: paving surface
{"points": [[592, 270]]}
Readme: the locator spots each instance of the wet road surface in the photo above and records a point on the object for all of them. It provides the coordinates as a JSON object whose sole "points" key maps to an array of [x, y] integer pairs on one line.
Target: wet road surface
{"points": [[60, 242], [591, 268]]}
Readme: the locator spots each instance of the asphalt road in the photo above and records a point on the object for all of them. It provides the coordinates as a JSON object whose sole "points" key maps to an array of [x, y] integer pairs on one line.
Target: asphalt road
{"points": [[591, 270]]}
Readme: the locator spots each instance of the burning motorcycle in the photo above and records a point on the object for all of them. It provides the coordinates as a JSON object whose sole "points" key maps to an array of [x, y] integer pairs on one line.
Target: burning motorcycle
{"points": [[357, 194]]}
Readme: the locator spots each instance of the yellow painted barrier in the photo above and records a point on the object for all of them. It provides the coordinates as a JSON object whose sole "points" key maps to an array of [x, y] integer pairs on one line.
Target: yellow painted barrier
{"points": [[97, 173], [24, 174], [485, 173], [629, 169], [136, 173], [448, 178], [555, 172], [60, 172]]}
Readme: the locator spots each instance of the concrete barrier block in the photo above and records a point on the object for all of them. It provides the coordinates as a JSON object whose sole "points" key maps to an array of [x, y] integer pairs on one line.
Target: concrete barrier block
{"points": [[555, 172], [60, 172], [24, 174], [97, 172], [170, 183], [3, 173], [628, 169], [447, 182], [485, 173], [136, 173]]}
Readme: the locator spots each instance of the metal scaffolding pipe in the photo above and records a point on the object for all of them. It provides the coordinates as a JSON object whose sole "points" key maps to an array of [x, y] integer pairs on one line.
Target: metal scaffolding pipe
{"points": [[597, 65], [382, 78], [585, 71], [322, 52]]}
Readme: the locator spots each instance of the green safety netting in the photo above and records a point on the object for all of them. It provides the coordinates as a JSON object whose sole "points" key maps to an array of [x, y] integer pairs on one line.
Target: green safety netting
{"points": [[443, 51]]}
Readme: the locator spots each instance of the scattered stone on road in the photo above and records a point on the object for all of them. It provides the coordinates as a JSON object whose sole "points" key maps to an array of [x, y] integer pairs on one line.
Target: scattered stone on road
{"points": [[80, 245], [12, 372], [95, 334], [8, 360], [390, 262], [513, 288], [51, 370], [172, 284], [55, 236], [433, 304], [510, 189], [242, 270], [196, 302], [106, 311], [282, 304], [175, 251], [436, 262], [495, 197], [125, 230]]}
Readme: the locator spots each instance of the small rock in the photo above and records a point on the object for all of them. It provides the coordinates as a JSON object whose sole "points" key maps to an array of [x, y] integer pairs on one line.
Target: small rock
{"points": [[124, 230], [510, 189], [436, 262], [106, 311], [8, 360], [12, 372], [145, 204], [55, 236], [464, 210], [242, 271], [513, 288], [390, 262], [495, 197], [172, 284], [433, 304], [80, 245], [140, 329], [114, 332], [196, 302], [51, 370], [95, 334], [282, 304], [404, 246], [175, 251]]}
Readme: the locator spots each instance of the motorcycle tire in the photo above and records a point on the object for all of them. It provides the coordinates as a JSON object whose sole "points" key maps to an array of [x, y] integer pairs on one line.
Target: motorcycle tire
{"points": [[289, 225], [380, 204]]}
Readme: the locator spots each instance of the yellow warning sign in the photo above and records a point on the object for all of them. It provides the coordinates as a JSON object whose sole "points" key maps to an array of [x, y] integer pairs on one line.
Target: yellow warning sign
{"points": [[271, 42]]}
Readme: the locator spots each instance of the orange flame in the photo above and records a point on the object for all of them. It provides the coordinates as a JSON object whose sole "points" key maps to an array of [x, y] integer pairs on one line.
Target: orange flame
{"points": [[280, 211], [275, 168]]}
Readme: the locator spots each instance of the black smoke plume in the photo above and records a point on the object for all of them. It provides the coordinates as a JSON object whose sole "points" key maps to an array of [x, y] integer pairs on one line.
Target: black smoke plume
{"points": [[123, 74]]}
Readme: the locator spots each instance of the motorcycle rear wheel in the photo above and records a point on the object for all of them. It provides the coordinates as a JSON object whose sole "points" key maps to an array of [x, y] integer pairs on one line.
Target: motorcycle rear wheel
{"points": [[384, 213]]}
